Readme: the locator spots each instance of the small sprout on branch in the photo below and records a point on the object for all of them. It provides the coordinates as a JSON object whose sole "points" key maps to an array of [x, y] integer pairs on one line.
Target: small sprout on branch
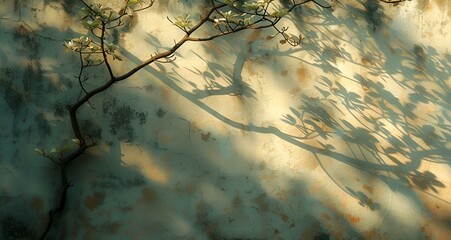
{"points": [[218, 22], [71, 46], [110, 48], [85, 12], [248, 21], [252, 6], [230, 16], [39, 151], [76, 141], [78, 44], [279, 12], [230, 2], [90, 24], [183, 22], [132, 3]]}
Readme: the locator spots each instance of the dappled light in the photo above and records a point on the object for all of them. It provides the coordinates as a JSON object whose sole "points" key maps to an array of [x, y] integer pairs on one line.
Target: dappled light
{"points": [[225, 120]]}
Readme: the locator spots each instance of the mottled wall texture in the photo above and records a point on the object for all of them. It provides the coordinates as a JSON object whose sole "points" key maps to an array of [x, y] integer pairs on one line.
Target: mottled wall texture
{"points": [[346, 136]]}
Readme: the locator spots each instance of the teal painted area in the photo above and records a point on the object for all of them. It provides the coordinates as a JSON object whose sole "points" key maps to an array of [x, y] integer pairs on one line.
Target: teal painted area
{"points": [[343, 137]]}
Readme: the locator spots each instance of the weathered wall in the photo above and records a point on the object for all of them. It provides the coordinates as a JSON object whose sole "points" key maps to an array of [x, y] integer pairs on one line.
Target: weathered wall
{"points": [[347, 135]]}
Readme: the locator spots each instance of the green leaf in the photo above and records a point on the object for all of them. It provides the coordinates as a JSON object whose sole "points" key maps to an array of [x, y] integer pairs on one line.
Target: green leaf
{"points": [[132, 2], [229, 2], [279, 12], [95, 24], [183, 21], [251, 6]]}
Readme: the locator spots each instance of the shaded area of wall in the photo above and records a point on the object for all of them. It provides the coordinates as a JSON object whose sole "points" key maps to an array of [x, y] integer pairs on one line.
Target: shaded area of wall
{"points": [[346, 136]]}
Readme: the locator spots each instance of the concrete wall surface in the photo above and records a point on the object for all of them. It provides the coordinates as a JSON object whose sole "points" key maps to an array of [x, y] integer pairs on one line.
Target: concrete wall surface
{"points": [[346, 136]]}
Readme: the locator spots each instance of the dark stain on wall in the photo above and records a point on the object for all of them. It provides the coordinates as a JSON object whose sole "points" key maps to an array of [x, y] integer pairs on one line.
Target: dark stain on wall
{"points": [[374, 14], [13, 97], [92, 128], [13, 228], [42, 125], [142, 117], [420, 57], [160, 112], [112, 181], [59, 109], [121, 123], [95, 200], [122, 118]]}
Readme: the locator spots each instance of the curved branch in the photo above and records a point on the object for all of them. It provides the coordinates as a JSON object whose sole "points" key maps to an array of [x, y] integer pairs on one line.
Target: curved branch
{"points": [[102, 46]]}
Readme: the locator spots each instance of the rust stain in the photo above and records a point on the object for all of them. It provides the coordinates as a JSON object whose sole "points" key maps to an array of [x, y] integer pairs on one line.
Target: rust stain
{"points": [[92, 202], [284, 73], [352, 218], [249, 66], [261, 202], [190, 189], [370, 234], [295, 91], [37, 203], [214, 47], [366, 61], [254, 36], [311, 164], [282, 195], [165, 93], [236, 201], [302, 74], [284, 217], [423, 228], [22, 31], [368, 188], [90, 232], [326, 217]]}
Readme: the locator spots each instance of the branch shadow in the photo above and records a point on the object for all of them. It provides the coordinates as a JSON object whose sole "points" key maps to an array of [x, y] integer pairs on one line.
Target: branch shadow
{"points": [[383, 134]]}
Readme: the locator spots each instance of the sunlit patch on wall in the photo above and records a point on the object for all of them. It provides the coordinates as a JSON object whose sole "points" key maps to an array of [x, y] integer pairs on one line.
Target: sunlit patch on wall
{"points": [[54, 11], [137, 157]]}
